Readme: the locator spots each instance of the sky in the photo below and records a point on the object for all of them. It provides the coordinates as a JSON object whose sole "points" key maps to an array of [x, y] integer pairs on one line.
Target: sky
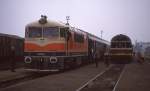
{"points": [[129, 17]]}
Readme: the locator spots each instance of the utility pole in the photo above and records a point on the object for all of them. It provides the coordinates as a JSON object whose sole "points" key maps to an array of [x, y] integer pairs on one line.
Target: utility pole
{"points": [[101, 34], [66, 44]]}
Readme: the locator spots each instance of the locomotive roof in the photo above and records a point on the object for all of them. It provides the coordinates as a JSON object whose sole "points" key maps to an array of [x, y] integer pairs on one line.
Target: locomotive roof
{"points": [[120, 37], [49, 23]]}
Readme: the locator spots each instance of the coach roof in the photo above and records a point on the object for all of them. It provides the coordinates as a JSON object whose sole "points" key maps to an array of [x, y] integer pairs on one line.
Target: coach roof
{"points": [[11, 36], [121, 37]]}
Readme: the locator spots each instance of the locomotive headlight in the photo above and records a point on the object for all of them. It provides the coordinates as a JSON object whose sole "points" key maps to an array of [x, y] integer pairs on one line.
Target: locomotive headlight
{"points": [[53, 60], [28, 60]]}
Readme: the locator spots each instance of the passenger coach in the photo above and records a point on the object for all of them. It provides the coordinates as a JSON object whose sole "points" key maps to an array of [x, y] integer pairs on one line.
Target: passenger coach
{"points": [[55, 46]]}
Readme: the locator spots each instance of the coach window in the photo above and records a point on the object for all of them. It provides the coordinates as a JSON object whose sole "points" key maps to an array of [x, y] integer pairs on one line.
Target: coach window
{"points": [[125, 45], [129, 45], [122, 44], [35, 32], [112, 44]]}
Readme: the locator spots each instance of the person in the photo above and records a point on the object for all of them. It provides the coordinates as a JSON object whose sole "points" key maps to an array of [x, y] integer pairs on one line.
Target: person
{"points": [[12, 58], [92, 54], [95, 59], [106, 59], [140, 58]]}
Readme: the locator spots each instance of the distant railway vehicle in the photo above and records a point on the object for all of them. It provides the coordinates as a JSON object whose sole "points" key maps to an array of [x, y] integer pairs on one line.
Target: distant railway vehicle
{"points": [[147, 53], [6, 43], [51, 45], [121, 49]]}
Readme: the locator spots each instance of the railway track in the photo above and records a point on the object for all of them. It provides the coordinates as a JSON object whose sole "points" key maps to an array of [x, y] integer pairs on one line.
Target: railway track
{"points": [[105, 81], [24, 77]]}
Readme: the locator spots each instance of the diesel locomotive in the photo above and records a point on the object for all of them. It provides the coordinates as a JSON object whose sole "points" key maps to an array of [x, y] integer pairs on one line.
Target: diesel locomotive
{"points": [[54, 46], [121, 49]]}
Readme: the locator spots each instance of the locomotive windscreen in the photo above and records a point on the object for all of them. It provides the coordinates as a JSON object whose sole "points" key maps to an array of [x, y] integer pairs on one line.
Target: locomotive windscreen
{"points": [[51, 32], [47, 32], [34, 32]]}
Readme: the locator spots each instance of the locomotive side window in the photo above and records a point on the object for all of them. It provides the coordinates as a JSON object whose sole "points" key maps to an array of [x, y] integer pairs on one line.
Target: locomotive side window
{"points": [[62, 32], [35, 32], [65, 33], [78, 38], [26, 32], [51, 32]]}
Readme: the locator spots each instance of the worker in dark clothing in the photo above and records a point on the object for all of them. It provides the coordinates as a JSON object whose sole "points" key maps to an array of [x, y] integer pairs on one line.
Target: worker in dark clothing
{"points": [[12, 59], [140, 58], [92, 54], [95, 59], [106, 59]]}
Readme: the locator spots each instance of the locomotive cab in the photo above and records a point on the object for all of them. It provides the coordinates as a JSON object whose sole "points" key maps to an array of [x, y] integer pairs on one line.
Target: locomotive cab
{"points": [[45, 42]]}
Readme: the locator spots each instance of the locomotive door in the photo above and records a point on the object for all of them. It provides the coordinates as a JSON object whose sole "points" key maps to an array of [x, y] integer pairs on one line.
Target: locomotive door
{"points": [[91, 48], [64, 32]]}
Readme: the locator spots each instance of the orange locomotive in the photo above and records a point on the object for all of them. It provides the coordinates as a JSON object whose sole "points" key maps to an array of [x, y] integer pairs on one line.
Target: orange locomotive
{"points": [[52, 45]]}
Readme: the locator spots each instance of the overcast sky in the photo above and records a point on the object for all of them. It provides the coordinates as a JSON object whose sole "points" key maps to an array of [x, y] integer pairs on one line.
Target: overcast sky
{"points": [[130, 17]]}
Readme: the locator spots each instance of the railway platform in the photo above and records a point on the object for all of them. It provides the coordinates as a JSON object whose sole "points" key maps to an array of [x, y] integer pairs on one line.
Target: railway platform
{"points": [[69, 80], [135, 77]]}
